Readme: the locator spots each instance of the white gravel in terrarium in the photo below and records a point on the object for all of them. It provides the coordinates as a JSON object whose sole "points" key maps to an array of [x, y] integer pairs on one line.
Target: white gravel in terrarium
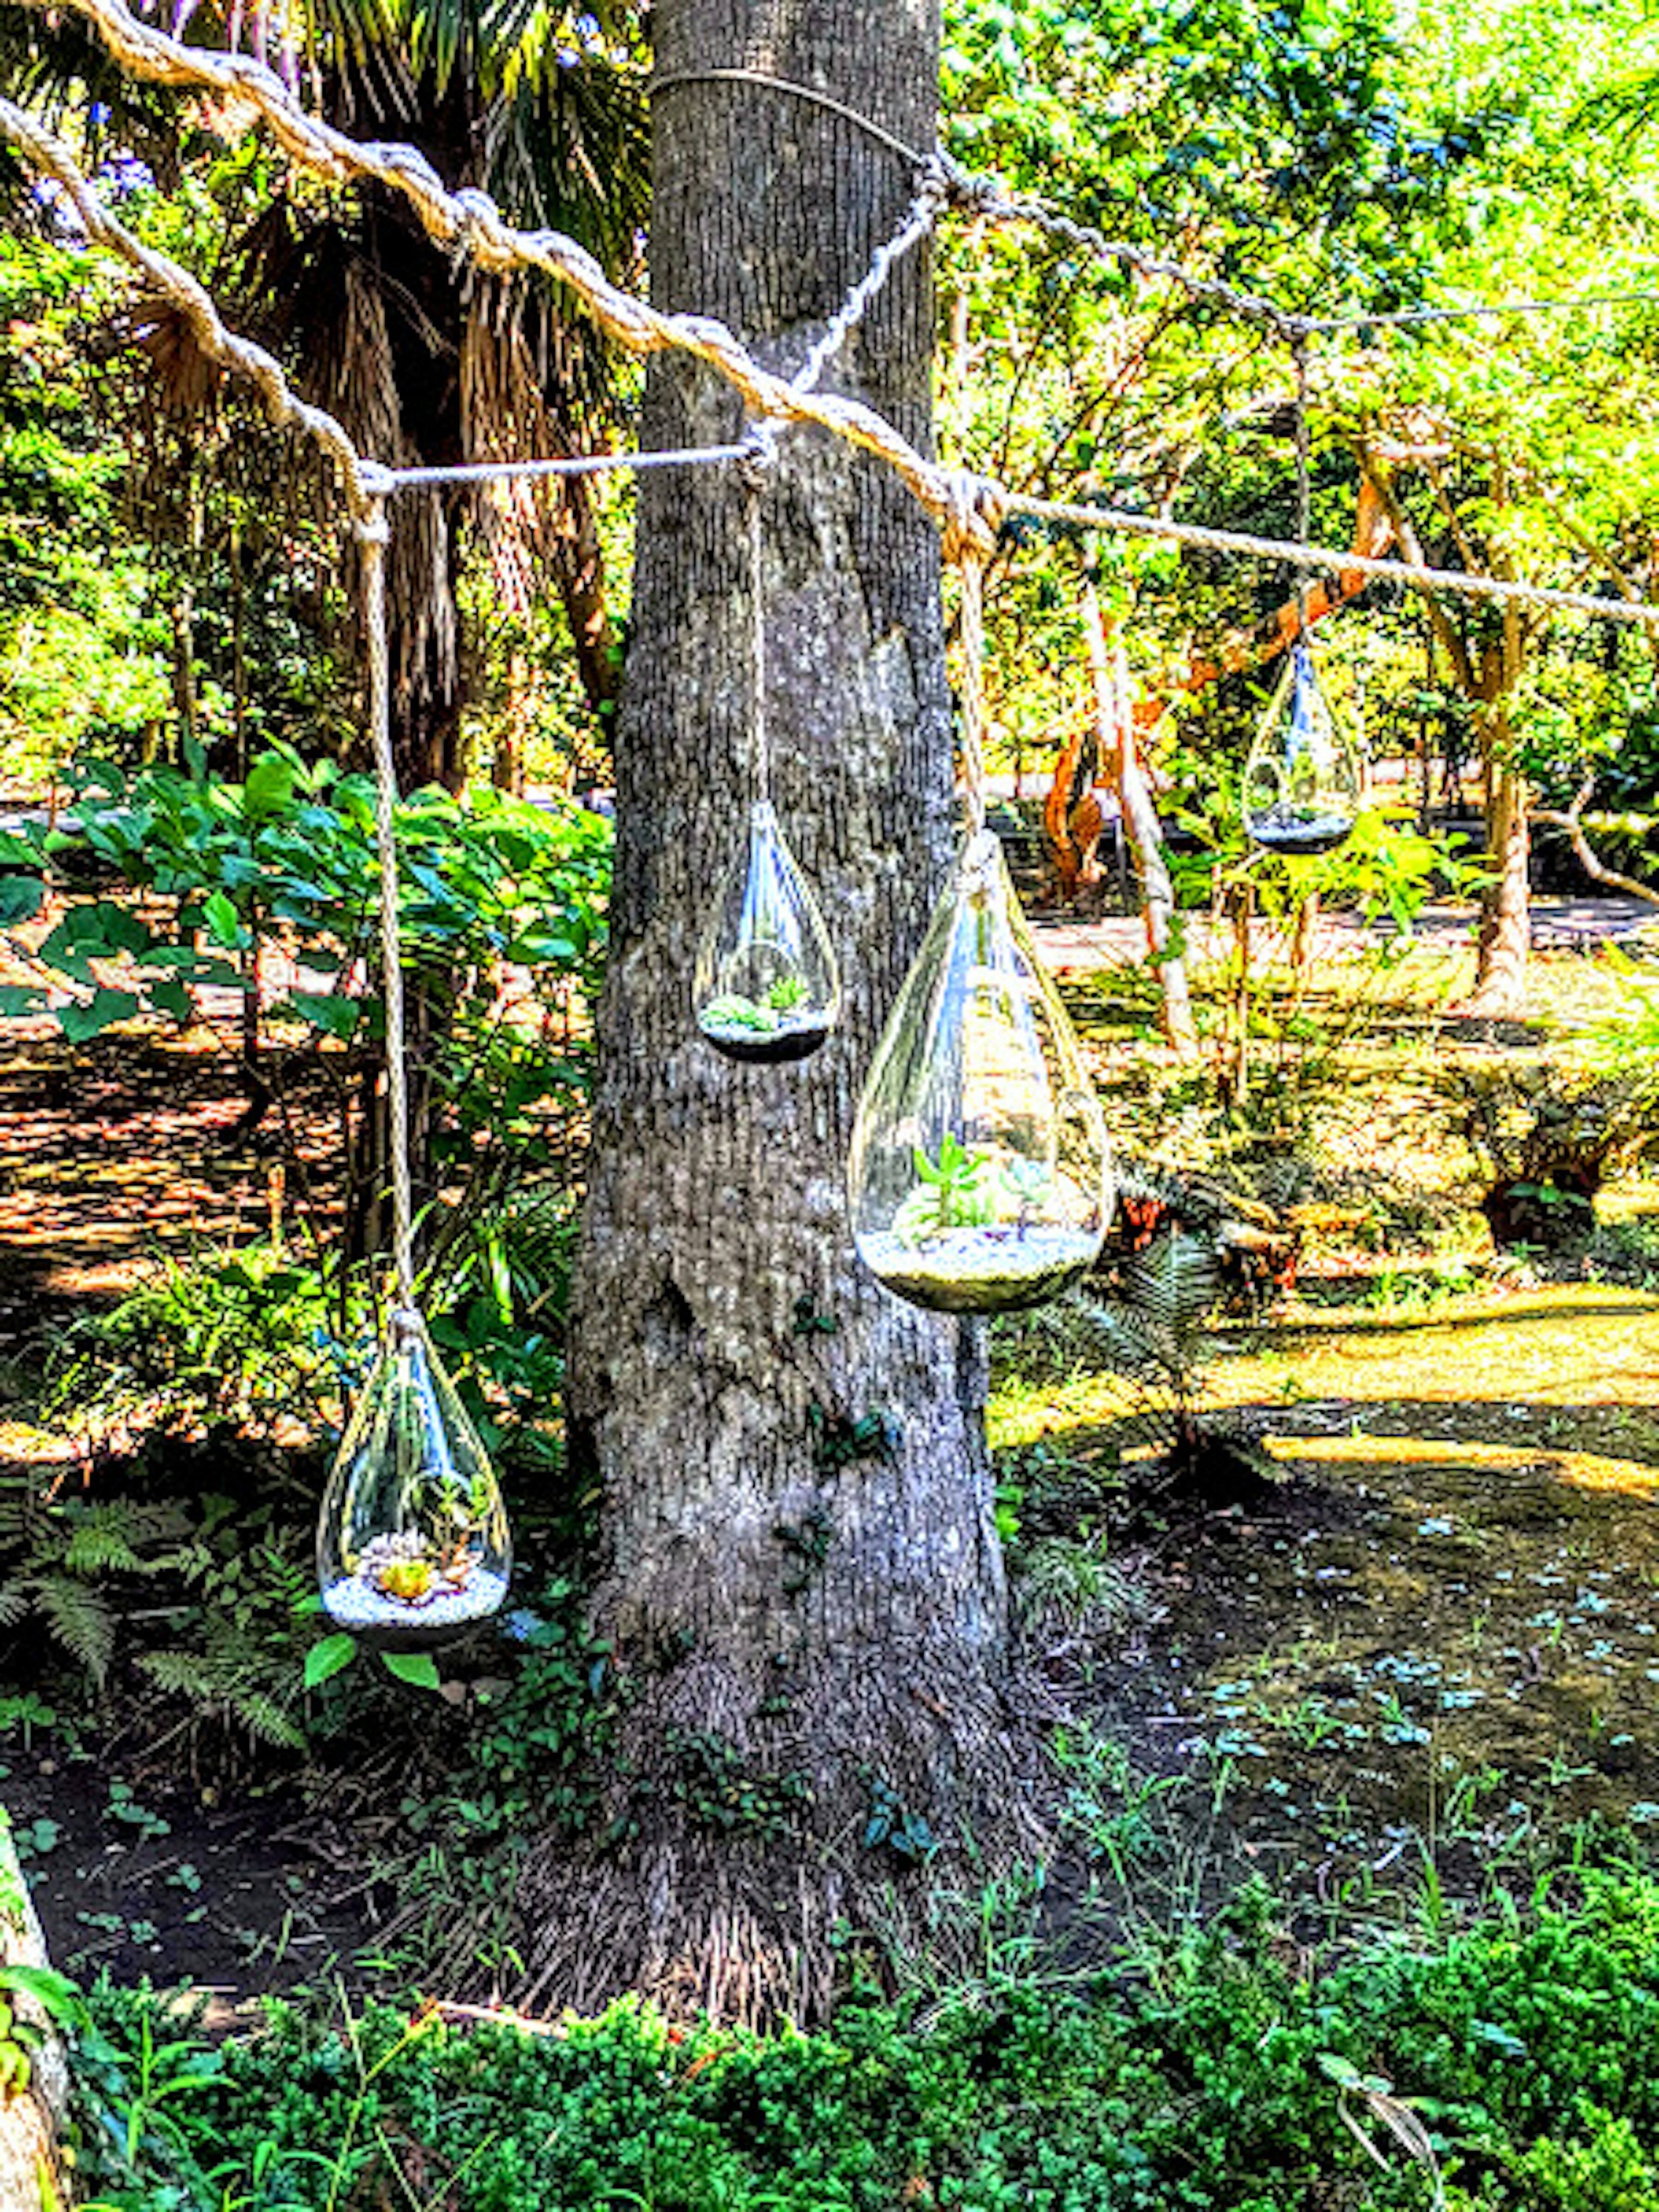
{"points": [[980, 1270], [361, 1607]]}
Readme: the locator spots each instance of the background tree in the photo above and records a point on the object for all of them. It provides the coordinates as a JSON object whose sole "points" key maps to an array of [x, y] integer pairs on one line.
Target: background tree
{"points": [[800, 1573]]}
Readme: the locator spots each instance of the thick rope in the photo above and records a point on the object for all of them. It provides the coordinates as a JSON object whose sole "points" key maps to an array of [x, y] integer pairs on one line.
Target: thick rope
{"points": [[1331, 558], [1303, 474], [969, 543], [48, 156], [470, 221], [372, 534]]}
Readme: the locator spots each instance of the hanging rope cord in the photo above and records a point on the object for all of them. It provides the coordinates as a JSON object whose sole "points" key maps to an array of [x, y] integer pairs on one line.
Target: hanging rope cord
{"points": [[1304, 473], [374, 534], [469, 222]]}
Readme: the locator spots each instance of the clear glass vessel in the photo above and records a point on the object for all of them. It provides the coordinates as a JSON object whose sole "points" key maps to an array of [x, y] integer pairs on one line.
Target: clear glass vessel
{"points": [[980, 1176], [1304, 781], [412, 1547], [766, 986]]}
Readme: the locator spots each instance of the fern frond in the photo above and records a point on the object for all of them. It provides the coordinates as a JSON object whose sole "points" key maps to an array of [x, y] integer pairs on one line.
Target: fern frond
{"points": [[80, 1620], [1175, 1283], [230, 1684], [265, 1721], [16, 1599], [181, 1674]]}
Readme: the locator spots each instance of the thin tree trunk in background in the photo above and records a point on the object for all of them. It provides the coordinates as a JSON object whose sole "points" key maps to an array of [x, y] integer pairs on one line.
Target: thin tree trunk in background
{"points": [[1505, 933], [1505, 941], [182, 616], [577, 559], [1120, 760], [238, 654], [723, 1338]]}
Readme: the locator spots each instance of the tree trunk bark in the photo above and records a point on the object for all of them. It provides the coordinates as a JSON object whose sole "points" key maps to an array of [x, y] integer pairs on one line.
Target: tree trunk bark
{"points": [[799, 1571], [1505, 939], [1505, 942], [33, 2175], [1120, 758]]}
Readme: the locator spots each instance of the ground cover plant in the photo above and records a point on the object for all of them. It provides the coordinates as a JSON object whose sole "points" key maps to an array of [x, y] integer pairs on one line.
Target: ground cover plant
{"points": [[1507, 2063]]}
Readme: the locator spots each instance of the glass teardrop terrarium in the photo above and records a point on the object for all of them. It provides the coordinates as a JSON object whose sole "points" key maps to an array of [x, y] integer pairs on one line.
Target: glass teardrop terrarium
{"points": [[766, 986], [413, 1548], [1304, 781], [979, 1178]]}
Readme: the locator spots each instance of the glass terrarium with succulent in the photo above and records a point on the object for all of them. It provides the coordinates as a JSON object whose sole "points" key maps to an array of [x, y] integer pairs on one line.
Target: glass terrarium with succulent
{"points": [[1304, 781], [413, 1548], [979, 1177], [767, 987]]}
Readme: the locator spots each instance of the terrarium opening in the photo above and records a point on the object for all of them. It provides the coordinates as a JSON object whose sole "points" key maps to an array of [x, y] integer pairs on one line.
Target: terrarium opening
{"points": [[1304, 780], [413, 1548], [980, 1176], [766, 986]]}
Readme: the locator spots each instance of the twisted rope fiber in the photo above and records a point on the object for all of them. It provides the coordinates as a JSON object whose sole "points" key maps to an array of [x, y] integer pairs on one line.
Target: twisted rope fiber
{"points": [[470, 220], [1424, 579], [1304, 473], [373, 533], [49, 155], [761, 761], [970, 541]]}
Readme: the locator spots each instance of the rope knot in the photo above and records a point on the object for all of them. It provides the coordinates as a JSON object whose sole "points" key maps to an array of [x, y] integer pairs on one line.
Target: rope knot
{"points": [[970, 192], [758, 456], [370, 526], [978, 509]]}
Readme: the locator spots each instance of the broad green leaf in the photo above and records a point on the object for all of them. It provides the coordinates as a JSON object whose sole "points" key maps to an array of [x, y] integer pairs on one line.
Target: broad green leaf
{"points": [[221, 918], [325, 1011], [270, 785], [78, 1022], [413, 1667], [21, 899], [327, 1656]]}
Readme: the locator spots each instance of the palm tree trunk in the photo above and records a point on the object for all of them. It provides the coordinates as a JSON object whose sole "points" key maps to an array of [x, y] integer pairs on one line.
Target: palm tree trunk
{"points": [[725, 1343]]}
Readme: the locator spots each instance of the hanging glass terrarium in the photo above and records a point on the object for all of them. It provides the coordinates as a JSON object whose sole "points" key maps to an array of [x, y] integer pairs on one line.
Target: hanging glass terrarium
{"points": [[413, 1548], [1304, 781], [767, 987], [979, 1177]]}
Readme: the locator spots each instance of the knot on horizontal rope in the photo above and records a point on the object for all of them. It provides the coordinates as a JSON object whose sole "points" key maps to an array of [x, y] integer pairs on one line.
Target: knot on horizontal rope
{"points": [[370, 526], [758, 454], [973, 525], [969, 191]]}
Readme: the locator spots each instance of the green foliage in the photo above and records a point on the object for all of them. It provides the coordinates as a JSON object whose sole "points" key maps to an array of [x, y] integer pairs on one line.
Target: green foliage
{"points": [[950, 1193], [807, 1542], [839, 1440], [713, 1779], [244, 1339], [1525, 2052], [289, 856]]}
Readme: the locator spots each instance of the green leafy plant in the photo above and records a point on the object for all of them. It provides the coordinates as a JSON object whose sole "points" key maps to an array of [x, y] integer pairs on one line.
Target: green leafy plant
{"points": [[950, 1193]]}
